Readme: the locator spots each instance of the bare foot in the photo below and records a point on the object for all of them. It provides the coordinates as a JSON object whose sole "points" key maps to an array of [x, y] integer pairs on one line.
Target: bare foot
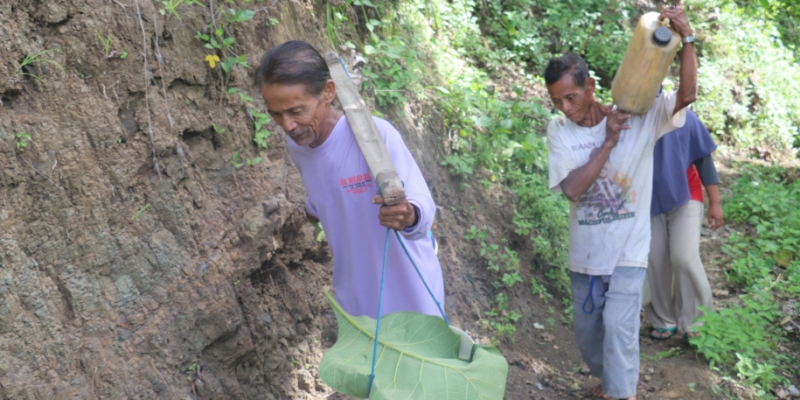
{"points": [[597, 391]]}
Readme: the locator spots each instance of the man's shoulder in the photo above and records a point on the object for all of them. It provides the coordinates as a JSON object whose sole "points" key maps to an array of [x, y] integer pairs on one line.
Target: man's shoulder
{"points": [[383, 125], [557, 126], [559, 122], [388, 131]]}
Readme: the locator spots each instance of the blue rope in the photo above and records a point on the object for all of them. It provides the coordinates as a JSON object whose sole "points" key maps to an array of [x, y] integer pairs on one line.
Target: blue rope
{"points": [[345, 68], [589, 298], [380, 299], [438, 304], [380, 307]]}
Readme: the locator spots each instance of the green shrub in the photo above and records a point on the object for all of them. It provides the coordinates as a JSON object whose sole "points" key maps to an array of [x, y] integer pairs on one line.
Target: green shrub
{"points": [[744, 339], [531, 31], [747, 79], [765, 201], [765, 260]]}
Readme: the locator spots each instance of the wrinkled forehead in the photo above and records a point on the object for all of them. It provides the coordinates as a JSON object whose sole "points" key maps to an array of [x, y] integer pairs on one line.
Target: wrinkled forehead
{"points": [[564, 87], [281, 97]]}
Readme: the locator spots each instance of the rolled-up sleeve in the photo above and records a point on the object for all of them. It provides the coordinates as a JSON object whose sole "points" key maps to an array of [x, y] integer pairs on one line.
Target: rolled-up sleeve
{"points": [[559, 159]]}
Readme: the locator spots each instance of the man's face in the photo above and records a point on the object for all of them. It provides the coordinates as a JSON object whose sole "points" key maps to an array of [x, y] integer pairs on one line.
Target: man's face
{"points": [[299, 112], [574, 101]]}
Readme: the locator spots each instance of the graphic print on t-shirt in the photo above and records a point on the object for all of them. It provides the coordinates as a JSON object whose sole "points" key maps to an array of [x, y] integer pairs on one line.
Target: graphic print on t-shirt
{"points": [[357, 183], [608, 199]]}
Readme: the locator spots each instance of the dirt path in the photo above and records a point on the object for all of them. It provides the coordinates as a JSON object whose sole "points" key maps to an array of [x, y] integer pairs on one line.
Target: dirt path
{"points": [[545, 364]]}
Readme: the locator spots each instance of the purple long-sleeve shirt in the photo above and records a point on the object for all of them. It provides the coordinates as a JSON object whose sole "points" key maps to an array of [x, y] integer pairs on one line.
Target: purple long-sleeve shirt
{"points": [[340, 189]]}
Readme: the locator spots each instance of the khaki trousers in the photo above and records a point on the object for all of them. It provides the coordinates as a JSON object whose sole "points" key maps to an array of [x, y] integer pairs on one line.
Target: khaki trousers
{"points": [[677, 279]]}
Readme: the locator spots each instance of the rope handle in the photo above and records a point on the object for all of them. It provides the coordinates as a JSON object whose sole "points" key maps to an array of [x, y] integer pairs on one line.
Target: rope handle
{"points": [[380, 298], [589, 298], [380, 307]]}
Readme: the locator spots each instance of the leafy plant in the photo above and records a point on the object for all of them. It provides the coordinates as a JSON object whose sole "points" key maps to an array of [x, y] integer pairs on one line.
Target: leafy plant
{"points": [[253, 161], [504, 261], [744, 339], [502, 321], [418, 358], [539, 289], [261, 132], [22, 140], [248, 161], [170, 7], [242, 96], [222, 42], [235, 160]]}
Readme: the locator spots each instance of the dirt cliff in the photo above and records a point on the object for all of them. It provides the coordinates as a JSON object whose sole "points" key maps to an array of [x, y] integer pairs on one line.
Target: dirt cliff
{"points": [[135, 260]]}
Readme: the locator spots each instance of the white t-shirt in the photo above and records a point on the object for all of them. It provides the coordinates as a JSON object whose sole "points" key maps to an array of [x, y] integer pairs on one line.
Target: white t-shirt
{"points": [[609, 226]]}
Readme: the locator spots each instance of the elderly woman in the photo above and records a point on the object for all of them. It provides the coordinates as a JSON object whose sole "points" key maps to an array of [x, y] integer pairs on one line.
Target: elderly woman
{"points": [[298, 91]]}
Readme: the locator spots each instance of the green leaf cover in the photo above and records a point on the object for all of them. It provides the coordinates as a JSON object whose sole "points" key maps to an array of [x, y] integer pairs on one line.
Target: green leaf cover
{"points": [[417, 359]]}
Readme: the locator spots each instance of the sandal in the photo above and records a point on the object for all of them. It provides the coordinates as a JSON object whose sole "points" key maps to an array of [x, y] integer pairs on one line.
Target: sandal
{"points": [[690, 334], [661, 332]]}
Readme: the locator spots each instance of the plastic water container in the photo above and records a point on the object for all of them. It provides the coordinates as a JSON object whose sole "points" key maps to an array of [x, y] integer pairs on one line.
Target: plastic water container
{"points": [[644, 66]]}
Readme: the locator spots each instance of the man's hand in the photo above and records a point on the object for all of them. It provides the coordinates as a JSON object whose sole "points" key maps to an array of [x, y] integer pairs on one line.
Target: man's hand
{"points": [[580, 179], [687, 88], [715, 216], [677, 20], [397, 217], [615, 121]]}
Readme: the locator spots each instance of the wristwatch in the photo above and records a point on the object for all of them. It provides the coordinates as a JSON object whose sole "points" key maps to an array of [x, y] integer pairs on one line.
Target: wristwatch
{"points": [[689, 39]]}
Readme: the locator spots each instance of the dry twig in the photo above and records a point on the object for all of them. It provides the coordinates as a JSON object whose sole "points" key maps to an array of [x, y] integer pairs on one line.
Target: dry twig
{"points": [[146, 84], [38, 172], [160, 60]]}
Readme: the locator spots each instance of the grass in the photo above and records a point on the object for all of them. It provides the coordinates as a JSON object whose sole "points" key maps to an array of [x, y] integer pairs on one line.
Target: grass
{"points": [[30, 60], [106, 41]]}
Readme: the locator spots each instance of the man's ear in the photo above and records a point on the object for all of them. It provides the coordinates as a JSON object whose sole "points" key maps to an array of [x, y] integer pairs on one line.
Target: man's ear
{"points": [[590, 86], [328, 92]]}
